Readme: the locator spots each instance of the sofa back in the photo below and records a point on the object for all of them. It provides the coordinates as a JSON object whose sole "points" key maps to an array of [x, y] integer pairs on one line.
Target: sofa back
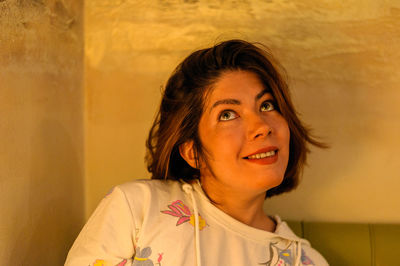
{"points": [[353, 244]]}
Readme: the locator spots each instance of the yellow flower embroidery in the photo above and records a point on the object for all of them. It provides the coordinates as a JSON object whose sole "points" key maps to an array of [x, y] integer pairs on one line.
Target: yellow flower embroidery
{"points": [[101, 263], [202, 222]]}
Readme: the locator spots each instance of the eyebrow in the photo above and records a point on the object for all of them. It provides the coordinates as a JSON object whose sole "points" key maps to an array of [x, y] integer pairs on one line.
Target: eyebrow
{"points": [[262, 93], [237, 102]]}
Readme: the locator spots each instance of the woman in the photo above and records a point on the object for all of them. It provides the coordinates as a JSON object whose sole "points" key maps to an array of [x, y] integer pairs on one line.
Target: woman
{"points": [[226, 138]]}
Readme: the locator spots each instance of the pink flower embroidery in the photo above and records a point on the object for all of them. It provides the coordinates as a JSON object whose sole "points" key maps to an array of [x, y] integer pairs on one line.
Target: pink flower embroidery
{"points": [[178, 209], [122, 263], [159, 257]]}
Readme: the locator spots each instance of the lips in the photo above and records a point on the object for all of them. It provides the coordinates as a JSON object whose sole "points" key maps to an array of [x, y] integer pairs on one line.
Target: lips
{"points": [[263, 156]]}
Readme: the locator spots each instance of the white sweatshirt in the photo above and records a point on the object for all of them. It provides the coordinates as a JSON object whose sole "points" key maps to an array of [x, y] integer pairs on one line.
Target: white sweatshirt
{"points": [[172, 223]]}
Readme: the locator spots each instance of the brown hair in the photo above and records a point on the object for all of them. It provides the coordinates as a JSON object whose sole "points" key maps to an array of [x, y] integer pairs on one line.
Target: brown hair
{"points": [[182, 103]]}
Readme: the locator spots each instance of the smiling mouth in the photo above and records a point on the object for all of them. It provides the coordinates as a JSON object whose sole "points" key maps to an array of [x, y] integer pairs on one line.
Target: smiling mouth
{"points": [[262, 155], [267, 152]]}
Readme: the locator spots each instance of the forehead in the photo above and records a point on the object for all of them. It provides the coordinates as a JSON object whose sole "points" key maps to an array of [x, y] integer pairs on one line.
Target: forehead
{"points": [[236, 84]]}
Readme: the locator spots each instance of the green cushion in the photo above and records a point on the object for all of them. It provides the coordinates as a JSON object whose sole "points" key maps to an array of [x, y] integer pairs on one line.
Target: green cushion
{"points": [[386, 244], [340, 244], [296, 228], [352, 244]]}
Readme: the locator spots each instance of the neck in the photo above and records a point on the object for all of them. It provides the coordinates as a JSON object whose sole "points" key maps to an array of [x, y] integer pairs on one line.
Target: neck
{"points": [[244, 207]]}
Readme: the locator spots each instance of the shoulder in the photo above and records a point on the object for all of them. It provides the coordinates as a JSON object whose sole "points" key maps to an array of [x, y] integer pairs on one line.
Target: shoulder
{"points": [[308, 252], [149, 194], [149, 187], [148, 200], [283, 229]]}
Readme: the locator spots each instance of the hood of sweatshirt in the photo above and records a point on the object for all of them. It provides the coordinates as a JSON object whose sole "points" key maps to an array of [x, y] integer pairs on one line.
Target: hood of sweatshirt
{"points": [[282, 232]]}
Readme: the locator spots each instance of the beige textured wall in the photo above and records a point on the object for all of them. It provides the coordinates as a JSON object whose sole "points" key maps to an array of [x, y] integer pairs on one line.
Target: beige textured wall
{"points": [[343, 60], [41, 130]]}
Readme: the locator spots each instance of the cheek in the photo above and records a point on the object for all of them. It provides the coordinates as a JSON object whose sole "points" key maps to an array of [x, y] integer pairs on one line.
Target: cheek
{"points": [[283, 137], [283, 130], [287, 134], [285, 140], [223, 142]]}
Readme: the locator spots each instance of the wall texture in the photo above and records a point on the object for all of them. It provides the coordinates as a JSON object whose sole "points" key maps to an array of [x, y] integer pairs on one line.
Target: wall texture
{"points": [[342, 59], [41, 130], [62, 83]]}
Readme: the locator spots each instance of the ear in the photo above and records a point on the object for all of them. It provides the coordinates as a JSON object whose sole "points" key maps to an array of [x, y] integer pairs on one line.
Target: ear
{"points": [[186, 150]]}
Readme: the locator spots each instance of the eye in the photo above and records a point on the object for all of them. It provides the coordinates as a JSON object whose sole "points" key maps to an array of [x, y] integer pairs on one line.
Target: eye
{"points": [[227, 115], [267, 106]]}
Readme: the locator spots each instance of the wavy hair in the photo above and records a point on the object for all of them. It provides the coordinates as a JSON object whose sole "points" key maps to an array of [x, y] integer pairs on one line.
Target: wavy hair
{"points": [[182, 103]]}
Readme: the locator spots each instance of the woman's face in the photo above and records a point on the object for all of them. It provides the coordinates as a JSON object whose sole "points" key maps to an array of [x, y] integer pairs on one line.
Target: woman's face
{"points": [[245, 137]]}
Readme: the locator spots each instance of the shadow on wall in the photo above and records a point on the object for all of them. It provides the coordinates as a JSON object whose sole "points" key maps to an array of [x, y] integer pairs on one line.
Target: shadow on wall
{"points": [[55, 198], [345, 82]]}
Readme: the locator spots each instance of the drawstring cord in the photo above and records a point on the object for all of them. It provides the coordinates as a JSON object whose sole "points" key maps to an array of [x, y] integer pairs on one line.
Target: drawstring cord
{"points": [[189, 190], [298, 252]]}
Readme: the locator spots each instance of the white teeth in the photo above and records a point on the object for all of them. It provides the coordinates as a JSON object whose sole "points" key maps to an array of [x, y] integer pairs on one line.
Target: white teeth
{"points": [[262, 155]]}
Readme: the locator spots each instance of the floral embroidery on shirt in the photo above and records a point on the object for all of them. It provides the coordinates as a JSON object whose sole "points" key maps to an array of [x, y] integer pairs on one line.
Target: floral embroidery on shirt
{"points": [[142, 257], [106, 263], [284, 257], [305, 259], [278, 257], [122, 263], [180, 210], [159, 258]]}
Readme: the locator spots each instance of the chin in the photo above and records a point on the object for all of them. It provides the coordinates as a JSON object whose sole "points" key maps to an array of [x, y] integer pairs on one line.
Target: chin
{"points": [[270, 182]]}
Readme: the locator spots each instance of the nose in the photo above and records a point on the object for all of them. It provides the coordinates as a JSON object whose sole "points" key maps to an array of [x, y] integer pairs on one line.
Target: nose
{"points": [[258, 126]]}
